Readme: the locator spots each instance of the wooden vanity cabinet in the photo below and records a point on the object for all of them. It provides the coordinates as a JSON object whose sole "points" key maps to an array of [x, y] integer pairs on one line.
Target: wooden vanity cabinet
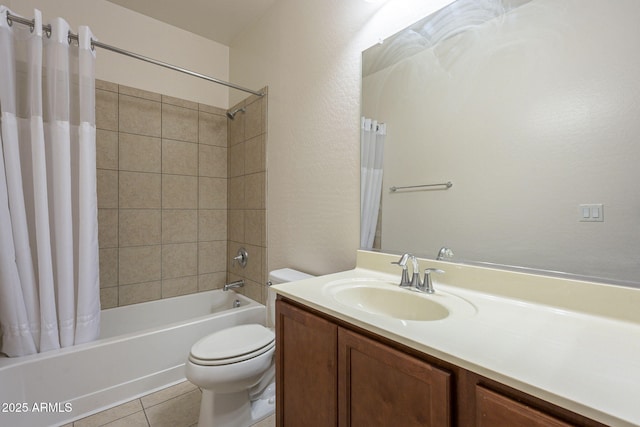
{"points": [[330, 373], [381, 386], [306, 368]]}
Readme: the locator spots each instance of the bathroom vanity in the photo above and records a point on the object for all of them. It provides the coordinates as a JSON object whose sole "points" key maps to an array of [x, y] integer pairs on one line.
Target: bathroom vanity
{"points": [[512, 349]]}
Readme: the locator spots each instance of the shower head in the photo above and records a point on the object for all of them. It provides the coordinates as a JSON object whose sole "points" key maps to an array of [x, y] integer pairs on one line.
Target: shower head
{"points": [[232, 114]]}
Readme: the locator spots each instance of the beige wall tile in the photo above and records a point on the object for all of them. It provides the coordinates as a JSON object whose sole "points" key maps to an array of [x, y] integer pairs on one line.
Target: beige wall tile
{"points": [[179, 102], [212, 129], [139, 190], [254, 191], [179, 192], [254, 156], [253, 270], [108, 228], [179, 411], [236, 160], [179, 286], [236, 190], [253, 125], [140, 116], [235, 129], [212, 256], [179, 259], [106, 149], [139, 292], [108, 267], [108, 297], [212, 161], [212, 193], [212, 110], [235, 225], [179, 225], [139, 227], [254, 226], [139, 93], [106, 110], [179, 123], [139, 264], [107, 188], [210, 281], [212, 224], [253, 290], [180, 158], [105, 85], [139, 153]]}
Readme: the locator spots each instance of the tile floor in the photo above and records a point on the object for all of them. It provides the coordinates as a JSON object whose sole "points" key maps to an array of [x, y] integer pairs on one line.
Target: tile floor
{"points": [[175, 406]]}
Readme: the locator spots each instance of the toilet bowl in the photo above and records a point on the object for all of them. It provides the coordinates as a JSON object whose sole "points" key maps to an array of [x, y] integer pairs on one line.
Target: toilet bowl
{"points": [[235, 368]]}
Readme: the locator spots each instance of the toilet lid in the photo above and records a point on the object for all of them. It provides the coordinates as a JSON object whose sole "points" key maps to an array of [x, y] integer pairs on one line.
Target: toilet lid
{"points": [[232, 345]]}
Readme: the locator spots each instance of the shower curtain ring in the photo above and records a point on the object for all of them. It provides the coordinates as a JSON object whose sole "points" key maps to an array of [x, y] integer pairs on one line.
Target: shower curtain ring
{"points": [[9, 20]]}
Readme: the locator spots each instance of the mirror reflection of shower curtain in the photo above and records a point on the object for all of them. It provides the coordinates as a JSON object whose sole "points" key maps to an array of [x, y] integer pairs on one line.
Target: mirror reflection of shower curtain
{"points": [[49, 277], [372, 135]]}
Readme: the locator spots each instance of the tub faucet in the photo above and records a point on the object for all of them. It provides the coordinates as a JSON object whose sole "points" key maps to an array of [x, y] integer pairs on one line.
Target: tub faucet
{"points": [[402, 262], [236, 284]]}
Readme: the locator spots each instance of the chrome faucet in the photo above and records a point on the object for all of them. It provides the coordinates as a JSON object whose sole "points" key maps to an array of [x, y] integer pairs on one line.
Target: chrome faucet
{"points": [[402, 262], [444, 254], [427, 285], [415, 278], [236, 284]]}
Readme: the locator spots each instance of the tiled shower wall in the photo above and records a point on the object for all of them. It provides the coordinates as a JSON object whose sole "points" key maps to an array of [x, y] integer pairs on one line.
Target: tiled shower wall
{"points": [[162, 195], [246, 189]]}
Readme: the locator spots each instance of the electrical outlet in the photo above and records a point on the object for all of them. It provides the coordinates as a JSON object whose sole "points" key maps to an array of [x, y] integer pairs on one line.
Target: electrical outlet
{"points": [[591, 212]]}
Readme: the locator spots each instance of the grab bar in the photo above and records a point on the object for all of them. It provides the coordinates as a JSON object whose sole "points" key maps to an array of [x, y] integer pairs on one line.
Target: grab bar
{"points": [[448, 185]]}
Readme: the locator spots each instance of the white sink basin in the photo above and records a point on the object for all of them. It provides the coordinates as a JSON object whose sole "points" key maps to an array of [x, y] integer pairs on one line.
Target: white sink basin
{"points": [[386, 299]]}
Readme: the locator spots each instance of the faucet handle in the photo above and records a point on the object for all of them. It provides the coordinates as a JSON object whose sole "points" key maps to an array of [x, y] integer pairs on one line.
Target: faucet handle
{"points": [[402, 262], [427, 284]]}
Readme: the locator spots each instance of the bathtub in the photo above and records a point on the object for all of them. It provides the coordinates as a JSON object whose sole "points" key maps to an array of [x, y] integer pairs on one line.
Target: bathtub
{"points": [[142, 348]]}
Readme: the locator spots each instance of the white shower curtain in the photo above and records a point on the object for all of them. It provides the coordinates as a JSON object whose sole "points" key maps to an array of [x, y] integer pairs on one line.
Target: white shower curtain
{"points": [[372, 135], [49, 279]]}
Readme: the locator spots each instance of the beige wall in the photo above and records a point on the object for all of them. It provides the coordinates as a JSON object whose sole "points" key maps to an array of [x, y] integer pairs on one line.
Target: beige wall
{"points": [[308, 52], [120, 27]]}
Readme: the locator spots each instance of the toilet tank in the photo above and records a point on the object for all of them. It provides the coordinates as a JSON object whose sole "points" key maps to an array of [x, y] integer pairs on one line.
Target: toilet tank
{"points": [[282, 275], [285, 275]]}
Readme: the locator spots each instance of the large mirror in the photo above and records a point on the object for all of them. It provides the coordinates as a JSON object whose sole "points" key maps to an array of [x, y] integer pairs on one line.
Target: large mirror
{"points": [[531, 109]]}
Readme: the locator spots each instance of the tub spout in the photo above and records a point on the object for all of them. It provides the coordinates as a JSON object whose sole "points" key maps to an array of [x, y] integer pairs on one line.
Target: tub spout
{"points": [[236, 284]]}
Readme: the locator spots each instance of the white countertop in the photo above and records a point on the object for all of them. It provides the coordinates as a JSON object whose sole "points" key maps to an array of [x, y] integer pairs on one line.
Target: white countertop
{"points": [[564, 344]]}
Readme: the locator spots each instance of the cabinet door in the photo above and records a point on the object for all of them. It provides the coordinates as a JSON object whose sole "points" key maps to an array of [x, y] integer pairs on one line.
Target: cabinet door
{"points": [[381, 386], [306, 368], [495, 410]]}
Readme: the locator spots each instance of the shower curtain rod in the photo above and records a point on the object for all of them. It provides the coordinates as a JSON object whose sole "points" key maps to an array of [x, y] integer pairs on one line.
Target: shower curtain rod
{"points": [[94, 43]]}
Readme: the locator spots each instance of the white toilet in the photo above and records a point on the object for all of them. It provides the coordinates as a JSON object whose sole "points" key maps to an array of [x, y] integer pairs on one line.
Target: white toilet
{"points": [[235, 368]]}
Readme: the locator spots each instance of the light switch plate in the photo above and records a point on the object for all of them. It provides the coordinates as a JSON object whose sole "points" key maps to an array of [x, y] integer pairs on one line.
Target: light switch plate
{"points": [[593, 212]]}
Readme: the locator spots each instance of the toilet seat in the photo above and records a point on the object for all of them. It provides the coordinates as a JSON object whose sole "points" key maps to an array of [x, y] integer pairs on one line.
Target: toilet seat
{"points": [[232, 345]]}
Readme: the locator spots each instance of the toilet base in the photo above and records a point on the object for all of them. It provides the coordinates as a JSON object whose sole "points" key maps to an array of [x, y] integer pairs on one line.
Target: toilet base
{"points": [[235, 409]]}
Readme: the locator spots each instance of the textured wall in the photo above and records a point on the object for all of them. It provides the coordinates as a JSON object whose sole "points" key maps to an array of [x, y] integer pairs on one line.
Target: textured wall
{"points": [[309, 53]]}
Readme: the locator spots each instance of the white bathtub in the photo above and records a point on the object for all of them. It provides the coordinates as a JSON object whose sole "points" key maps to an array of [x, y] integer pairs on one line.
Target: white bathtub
{"points": [[142, 348]]}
